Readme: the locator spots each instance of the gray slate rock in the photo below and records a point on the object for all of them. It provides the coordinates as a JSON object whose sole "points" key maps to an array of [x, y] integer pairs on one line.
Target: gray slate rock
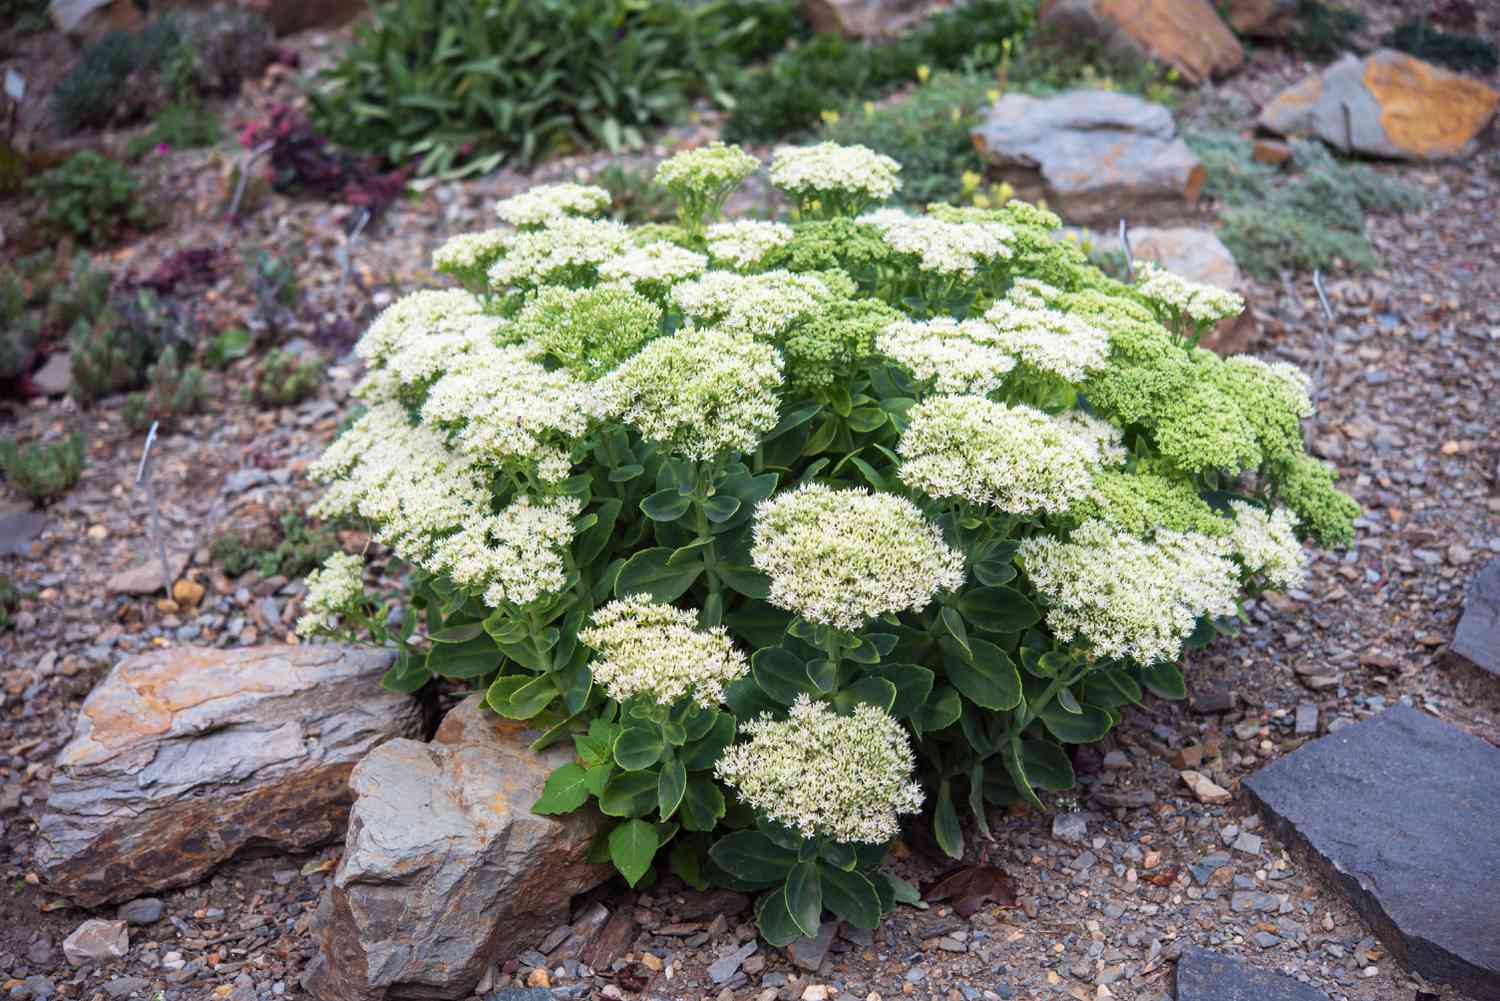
{"points": [[1478, 638], [445, 867], [1400, 812], [1210, 976], [522, 994], [723, 969], [809, 953], [96, 941], [145, 911], [180, 758], [124, 987], [55, 375], [19, 525], [1095, 155]]}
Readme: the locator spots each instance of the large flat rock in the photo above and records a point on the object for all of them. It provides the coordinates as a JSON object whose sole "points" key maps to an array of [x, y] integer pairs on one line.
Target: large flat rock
{"points": [[1187, 35], [445, 867], [1387, 104], [1095, 155], [1478, 636], [1211, 976], [1401, 813], [181, 758]]}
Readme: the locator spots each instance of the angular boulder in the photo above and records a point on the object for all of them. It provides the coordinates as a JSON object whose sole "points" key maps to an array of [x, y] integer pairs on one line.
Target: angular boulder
{"points": [[1210, 976], [1478, 638], [1187, 35], [1262, 18], [1095, 155], [445, 867], [1397, 106], [181, 758], [1400, 812], [1200, 256], [864, 18]]}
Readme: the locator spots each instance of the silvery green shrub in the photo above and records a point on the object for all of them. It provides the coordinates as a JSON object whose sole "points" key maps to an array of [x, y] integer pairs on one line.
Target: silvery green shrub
{"points": [[796, 528]]}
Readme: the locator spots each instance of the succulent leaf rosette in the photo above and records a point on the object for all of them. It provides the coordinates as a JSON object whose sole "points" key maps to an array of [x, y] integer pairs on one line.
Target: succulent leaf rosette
{"points": [[799, 528]]}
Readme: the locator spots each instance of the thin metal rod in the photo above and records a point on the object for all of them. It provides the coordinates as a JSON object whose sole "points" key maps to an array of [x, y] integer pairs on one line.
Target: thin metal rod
{"points": [[1129, 257], [143, 479], [1327, 333]]}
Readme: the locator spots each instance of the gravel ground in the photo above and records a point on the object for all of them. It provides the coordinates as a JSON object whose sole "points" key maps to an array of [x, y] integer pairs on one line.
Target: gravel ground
{"points": [[1137, 866]]}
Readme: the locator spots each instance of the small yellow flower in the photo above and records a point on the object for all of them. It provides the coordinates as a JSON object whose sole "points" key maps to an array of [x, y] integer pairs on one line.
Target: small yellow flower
{"points": [[1002, 192], [869, 110], [993, 94], [830, 117], [970, 180], [923, 72], [981, 200]]}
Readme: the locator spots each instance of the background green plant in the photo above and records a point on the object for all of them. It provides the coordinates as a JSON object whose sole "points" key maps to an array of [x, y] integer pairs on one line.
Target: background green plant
{"points": [[1456, 51], [93, 198], [43, 470], [284, 379], [1323, 30], [290, 546]]}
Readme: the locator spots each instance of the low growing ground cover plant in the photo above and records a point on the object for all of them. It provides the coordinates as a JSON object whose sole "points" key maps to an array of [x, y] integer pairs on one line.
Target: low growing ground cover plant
{"points": [[797, 528]]}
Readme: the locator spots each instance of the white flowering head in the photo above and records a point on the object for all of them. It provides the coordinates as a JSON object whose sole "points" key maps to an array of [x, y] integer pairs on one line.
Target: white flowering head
{"points": [[841, 180], [587, 331], [744, 244], [513, 558], [763, 305], [654, 269], [469, 255], [951, 356], [1046, 339], [1265, 543], [567, 251], [1126, 598], [847, 778], [1172, 295], [334, 588], [647, 648], [1013, 458], [843, 557], [547, 203], [944, 249], [702, 179], [699, 393], [413, 316]]}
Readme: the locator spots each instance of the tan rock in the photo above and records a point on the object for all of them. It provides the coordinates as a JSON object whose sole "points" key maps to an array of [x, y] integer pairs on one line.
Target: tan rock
{"points": [[1387, 104], [96, 941], [187, 593], [88, 19], [864, 18], [1270, 151], [1199, 255], [1262, 18], [1205, 788], [1187, 35]]}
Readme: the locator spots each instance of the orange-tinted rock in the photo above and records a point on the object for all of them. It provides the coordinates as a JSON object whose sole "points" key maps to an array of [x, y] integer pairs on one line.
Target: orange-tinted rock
{"points": [[1188, 35], [445, 868], [181, 758], [1270, 151], [1388, 104], [1262, 18]]}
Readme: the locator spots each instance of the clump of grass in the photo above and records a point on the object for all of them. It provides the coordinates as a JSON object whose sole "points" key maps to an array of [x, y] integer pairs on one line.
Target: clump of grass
{"points": [[1322, 30], [1447, 48], [290, 546], [43, 470], [1313, 218]]}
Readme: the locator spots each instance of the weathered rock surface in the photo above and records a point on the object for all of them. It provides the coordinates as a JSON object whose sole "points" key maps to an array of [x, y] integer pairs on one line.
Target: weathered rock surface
{"points": [[1210, 976], [19, 525], [1400, 812], [1398, 106], [1188, 35], [864, 18], [1478, 638], [1262, 18], [445, 867], [55, 375], [1199, 255], [181, 758], [96, 941], [1095, 155], [91, 18]]}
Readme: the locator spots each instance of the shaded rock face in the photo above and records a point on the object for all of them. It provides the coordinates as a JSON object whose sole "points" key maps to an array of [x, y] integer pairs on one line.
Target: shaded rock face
{"points": [[1209, 976], [1187, 35], [1199, 255], [1398, 107], [1095, 155], [1262, 18], [864, 18], [181, 758], [88, 19], [1400, 813], [1478, 636], [445, 867]]}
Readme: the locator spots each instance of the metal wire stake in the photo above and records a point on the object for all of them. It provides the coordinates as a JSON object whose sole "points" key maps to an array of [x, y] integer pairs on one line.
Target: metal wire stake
{"points": [[143, 479], [1129, 257], [244, 178], [1327, 332]]}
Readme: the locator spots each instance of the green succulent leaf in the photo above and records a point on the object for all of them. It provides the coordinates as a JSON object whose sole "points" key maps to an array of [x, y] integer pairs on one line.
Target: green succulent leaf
{"points": [[632, 846]]}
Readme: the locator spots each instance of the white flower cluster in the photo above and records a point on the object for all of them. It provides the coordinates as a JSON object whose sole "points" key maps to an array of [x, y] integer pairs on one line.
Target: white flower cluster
{"points": [[828, 168], [514, 557], [559, 251], [1014, 458], [413, 316], [647, 648], [654, 268], [744, 244], [1297, 382], [1202, 303], [471, 251], [708, 169], [848, 778], [843, 557], [1127, 598], [1047, 339], [1104, 437], [954, 356], [700, 392], [1265, 542], [763, 305], [331, 589], [949, 249], [547, 203]]}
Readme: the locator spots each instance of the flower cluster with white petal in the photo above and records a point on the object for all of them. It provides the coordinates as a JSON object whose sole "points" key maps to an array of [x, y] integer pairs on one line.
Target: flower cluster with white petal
{"points": [[828, 168], [332, 589], [1265, 542], [953, 356], [653, 269], [848, 778], [708, 169], [515, 557], [843, 557], [1124, 597], [700, 392], [413, 316], [1202, 303], [643, 647], [547, 203], [1047, 339], [948, 249], [1016, 459], [745, 243], [566, 251], [468, 252], [762, 305]]}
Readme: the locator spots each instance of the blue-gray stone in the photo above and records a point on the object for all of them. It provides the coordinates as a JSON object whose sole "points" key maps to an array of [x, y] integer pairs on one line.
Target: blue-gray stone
{"points": [[1210, 976], [522, 994], [1400, 812], [1478, 636]]}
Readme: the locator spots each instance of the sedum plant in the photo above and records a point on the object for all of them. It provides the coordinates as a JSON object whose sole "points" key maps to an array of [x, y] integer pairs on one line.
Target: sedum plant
{"points": [[797, 528]]}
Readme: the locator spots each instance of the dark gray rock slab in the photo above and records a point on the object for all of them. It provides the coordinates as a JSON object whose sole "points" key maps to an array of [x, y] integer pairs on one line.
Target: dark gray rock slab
{"points": [[1401, 813], [19, 525], [1203, 975], [1478, 638]]}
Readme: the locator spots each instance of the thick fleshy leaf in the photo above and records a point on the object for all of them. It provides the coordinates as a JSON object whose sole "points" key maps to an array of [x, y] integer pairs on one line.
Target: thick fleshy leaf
{"points": [[566, 789], [913, 685], [774, 919], [670, 786], [988, 677], [945, 825], [666, 505], [998, 609], [1081, 728], [647, 572], [804, 897], [750, 855], [632, 846], [851, 896], [940, 710], [1165, 681], [865, 691], [638, 746], [702, 805], [780, 675], [704, 752], [629, 794]]}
